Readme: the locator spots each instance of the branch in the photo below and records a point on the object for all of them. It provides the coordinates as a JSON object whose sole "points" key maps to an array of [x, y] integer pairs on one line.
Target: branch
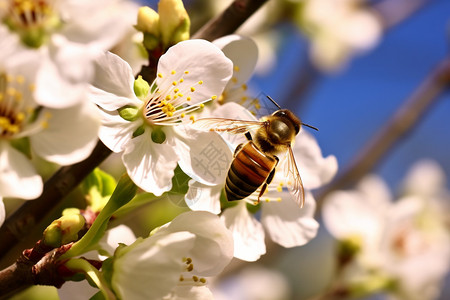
{"points": [[395, 129], [229, 20], [20, 224]]}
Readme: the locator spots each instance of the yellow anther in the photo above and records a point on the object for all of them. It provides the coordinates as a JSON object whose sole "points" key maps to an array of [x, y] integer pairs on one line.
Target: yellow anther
{"points": [[200, 82], [201, 105], [214, 97], [180, 95], [18, 96], [181, 79], [176, 90], [236, 68], [190, 268], [279, 189], [174, 83], [244, 87], [244, 98], [9, 78], [202, 280], [192, 89], [181, 278], [234, 79], [195, 278], [44, 124], [168, 97], [186, 72], [32, 87], [170, 114], [20, 79], [279, 199], [192, 118], [173, 72], [267, 200], [188, 260], [183, 115], [188, 98], [160, 75], [20, 116]]}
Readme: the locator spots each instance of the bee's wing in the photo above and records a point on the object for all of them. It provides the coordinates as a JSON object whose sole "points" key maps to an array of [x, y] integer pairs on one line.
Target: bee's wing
{"points": [[295, 183], [227, 125]]}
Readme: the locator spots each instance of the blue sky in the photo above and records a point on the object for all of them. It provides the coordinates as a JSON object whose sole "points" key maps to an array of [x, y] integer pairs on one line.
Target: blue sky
{"points": [[351, 105]]}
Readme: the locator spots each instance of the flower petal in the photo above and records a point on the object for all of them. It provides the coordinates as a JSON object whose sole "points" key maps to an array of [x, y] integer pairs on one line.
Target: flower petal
{"points": [[243, 52], [116, 132], [314, 169], [121, 234], [248, 233], [190, 292], [204, 156], [18, 178], [58, 73], [203, 197], [112, 86], [2, 212], [213, 248], [287, 224], [151, 269], [202, 61], [70, 136], [150, 165], [74, 290]]}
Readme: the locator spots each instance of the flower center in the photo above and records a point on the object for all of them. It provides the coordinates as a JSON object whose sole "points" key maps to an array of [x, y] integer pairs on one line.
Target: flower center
{"points": [[33, 20], [169, 102], [187, 277], [14, 115]]}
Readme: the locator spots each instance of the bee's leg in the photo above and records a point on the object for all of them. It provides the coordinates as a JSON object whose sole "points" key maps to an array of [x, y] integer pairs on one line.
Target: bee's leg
{"points": [[268, 181], [239, 147], [248, 136]]}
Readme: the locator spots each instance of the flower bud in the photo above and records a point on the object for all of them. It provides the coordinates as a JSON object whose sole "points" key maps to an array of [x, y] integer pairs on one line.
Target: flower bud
{"points": [[148, 23], [63, 230], [174, 22], [141, 88]]}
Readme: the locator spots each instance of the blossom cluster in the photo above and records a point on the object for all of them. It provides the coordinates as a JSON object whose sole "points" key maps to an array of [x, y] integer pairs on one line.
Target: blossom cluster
{"points": [[71, 77]]}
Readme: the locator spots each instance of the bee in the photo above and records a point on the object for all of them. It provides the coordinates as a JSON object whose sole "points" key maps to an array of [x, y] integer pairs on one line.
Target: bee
{"points": [[254, 162]]}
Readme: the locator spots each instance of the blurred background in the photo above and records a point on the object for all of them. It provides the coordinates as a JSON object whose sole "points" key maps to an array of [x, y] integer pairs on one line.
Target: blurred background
{"points": [[348, 97]]}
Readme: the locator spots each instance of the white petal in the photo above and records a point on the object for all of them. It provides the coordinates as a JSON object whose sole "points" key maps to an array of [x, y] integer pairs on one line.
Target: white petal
{"points": [[426, 177], [315, 170], [150, 165], [204, 62], [65, 72], [121, 234], [70, 136], [287, 224], [346, 214], [2, 212], [116, 132], [151, 269], [112, 86], [213, 248], [18, 178], [204, 156], [248, 233], [243, 52], [183, 292], [203, 197]]}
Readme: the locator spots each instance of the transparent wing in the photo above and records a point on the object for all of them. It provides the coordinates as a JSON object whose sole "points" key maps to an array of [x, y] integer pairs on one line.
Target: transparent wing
{"points": [[227, 125], [295, 183]]}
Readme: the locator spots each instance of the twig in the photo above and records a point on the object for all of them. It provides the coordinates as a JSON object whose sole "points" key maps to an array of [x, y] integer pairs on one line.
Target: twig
{"points": [[400, 124], [230, 20], [19, 224]]}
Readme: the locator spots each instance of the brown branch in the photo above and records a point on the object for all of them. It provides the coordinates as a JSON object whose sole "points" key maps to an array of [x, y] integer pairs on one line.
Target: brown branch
{"points": [[17, 227], [19, 224], [395, 129], [230, 20]]}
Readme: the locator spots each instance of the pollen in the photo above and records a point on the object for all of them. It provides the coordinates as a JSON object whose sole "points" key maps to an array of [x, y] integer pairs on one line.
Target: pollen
{"points": [[181, 79], [192, 89], [183, 115], [173, 72], [174, 83], [188, 99], [201, 105], [200, 82], [160, 75], [214, 97]]}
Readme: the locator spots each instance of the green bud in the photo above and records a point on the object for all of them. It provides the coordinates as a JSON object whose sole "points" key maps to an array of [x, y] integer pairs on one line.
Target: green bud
{"points": [[174, 22], [63, 230], [129, 113], [140, 130], [141, 88], [148, 21]]}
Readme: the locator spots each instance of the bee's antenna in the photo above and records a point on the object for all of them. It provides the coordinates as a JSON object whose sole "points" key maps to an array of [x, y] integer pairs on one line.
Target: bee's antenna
{"points": [[310, 126], [273, 101]]}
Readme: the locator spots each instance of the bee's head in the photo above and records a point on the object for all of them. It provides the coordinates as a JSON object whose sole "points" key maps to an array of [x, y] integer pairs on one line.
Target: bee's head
{"points": [[289, 116]]}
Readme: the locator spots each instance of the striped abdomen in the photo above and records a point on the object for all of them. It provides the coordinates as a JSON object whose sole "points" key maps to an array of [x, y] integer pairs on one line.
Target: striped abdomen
{"points": [[248, 171]]}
